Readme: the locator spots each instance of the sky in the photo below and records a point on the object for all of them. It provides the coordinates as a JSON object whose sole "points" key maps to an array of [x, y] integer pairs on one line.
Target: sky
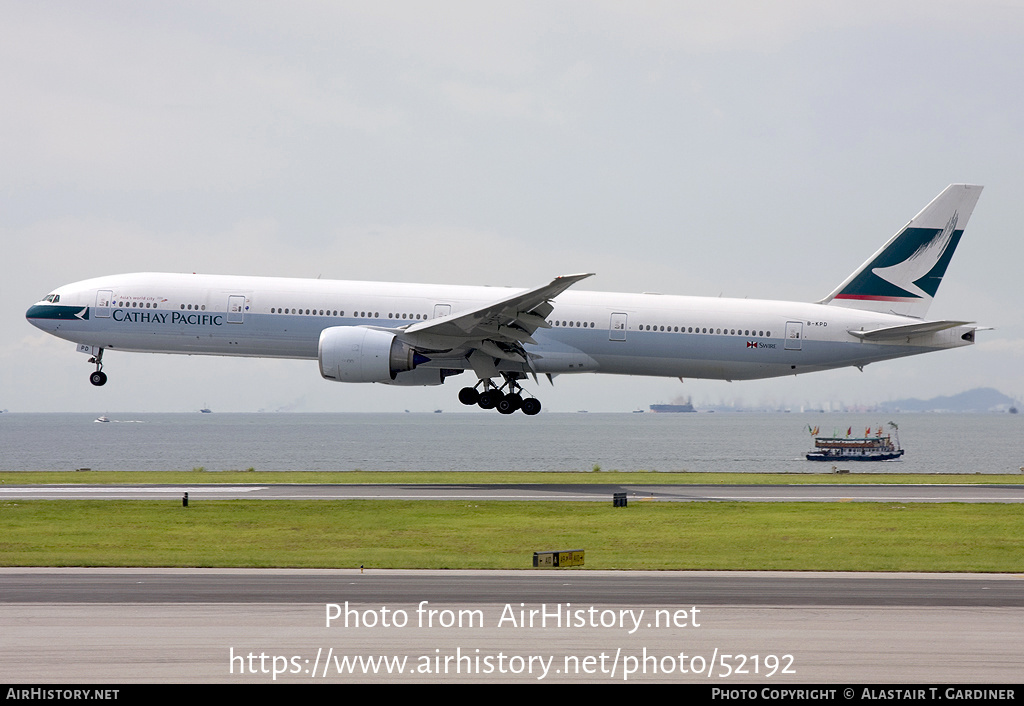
{"points": [[741, 149]]}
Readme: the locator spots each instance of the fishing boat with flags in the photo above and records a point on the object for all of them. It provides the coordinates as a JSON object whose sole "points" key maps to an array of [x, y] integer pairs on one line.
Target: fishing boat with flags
{"points": [[879, 446]]}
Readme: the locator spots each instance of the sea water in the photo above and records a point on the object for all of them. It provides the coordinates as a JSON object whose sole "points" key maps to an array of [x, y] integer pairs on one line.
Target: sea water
{"points": [[487, 441]]}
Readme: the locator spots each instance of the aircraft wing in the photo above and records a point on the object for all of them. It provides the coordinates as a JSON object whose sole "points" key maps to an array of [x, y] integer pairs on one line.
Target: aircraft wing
{"points": [[919, 329], [498, 328]]}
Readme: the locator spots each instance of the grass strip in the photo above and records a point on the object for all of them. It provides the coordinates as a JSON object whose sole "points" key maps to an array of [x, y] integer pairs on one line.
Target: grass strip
{"points": [[503, 535], [201, 476]]}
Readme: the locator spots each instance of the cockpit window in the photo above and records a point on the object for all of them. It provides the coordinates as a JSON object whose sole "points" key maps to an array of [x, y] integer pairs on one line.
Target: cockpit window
{"points": [[52, 298]]}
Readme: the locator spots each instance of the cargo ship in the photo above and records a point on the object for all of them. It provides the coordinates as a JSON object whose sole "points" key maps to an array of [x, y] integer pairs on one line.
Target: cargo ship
{"points": [[679, 406]]}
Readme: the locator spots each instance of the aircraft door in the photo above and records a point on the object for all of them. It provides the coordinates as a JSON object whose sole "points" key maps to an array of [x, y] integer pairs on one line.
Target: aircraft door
{"points": [[794, 335], [103, 298], [442, 310], [236, 309], [617, 327]]}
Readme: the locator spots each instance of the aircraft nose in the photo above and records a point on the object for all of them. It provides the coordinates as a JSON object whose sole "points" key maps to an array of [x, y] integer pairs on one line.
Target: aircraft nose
{"points": [[36, 315], [47, 316]]}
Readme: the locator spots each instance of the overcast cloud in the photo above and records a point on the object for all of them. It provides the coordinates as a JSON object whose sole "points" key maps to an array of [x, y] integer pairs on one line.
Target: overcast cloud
{"points": [[742, 149]]}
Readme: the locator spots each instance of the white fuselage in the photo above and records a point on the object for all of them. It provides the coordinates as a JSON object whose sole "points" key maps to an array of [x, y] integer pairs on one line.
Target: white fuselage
{"points": [[606, 332]]}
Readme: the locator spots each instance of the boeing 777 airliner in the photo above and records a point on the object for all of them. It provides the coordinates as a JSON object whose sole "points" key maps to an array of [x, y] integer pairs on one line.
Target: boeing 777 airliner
{"points": [[420, 334]]}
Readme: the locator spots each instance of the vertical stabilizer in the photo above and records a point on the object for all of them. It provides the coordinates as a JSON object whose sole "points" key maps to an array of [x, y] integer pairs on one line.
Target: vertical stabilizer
{"points": [[903, 276]]}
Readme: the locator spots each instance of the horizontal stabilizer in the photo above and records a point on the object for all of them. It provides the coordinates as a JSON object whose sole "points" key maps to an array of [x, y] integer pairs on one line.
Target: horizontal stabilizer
{"points": [[908, 331]]}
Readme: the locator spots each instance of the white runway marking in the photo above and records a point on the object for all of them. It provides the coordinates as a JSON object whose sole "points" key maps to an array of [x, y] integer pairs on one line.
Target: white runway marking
{"points": [[37, 490]]}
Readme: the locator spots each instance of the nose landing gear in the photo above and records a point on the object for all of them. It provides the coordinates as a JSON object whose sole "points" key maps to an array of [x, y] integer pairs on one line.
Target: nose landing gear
{"points": [[98, 377]]}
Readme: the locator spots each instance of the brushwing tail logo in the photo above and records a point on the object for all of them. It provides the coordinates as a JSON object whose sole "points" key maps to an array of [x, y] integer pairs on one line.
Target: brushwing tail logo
{"points": [[903, 276], [923, 260]]}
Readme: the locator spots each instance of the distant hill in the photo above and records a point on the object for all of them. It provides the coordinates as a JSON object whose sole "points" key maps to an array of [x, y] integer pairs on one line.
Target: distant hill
{"points": [[980, 399]]}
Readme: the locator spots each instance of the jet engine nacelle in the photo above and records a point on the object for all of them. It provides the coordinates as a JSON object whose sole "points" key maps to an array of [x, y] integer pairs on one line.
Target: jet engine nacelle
{"points": [[356, 354]]}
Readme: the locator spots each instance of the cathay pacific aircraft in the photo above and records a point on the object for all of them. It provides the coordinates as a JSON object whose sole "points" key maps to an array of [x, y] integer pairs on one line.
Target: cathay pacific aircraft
{"points": [[421, 334]]}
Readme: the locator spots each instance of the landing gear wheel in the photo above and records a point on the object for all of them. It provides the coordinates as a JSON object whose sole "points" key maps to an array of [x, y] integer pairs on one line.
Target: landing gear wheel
{"points": [[469, 396], [510, 403], [489, 399], [531, 406]]}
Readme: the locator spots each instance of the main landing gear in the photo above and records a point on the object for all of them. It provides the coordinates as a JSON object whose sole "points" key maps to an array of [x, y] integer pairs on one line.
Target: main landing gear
{"points": [[98, 377], [493, 397]]}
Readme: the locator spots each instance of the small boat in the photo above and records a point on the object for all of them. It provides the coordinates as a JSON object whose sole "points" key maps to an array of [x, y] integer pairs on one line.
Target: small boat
{"points": [[101, 419], [877, 447]]}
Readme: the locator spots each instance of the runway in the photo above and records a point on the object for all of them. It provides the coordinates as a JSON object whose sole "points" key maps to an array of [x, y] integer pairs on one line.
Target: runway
{"points": [[266, 626], [181, 586], [564, 492]]}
